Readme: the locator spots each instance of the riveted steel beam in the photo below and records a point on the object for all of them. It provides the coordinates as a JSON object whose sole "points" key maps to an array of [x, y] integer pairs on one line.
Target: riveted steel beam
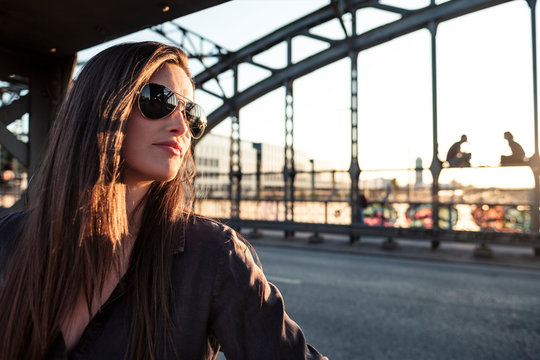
{"points": [[354, 168], [195, 45], [436, 165], [10, 113], [15, 146], [535, 159], [410, 22], [235, 173], [289, 171], [297, 27]]}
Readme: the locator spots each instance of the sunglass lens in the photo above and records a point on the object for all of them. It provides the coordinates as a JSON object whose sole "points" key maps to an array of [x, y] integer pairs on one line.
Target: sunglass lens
{"points": [[156, 101], [196, 118]]}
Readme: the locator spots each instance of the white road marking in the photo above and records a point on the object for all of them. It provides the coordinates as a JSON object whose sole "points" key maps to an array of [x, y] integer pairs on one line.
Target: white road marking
{"points": [[284, 280]]}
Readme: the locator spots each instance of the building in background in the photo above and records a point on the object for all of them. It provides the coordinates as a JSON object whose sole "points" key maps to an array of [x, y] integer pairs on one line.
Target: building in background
{"points": [[260, 162]]}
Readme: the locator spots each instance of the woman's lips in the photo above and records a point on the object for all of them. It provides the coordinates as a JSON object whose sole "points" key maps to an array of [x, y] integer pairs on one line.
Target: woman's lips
{"points": [[170, 147]]}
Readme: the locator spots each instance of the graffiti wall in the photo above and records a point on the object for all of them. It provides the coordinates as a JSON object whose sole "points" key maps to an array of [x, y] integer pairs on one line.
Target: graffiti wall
{"points": [[510, 218]]}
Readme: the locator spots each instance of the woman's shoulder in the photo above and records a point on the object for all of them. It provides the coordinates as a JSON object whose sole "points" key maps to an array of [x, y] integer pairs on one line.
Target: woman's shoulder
{"points": [[210, 234], [200, 227]]}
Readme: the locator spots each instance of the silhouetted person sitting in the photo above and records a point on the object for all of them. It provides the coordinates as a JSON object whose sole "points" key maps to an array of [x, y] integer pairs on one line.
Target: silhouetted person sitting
{"points": [[362, 205], [518, 155], [457, 158]]}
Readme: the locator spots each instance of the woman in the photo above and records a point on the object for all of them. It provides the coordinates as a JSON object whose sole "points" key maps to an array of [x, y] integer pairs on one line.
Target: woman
{"points": [[109, 262]]}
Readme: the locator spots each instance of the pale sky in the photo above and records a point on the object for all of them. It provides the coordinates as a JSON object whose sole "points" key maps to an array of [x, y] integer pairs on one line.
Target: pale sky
{"points": [[484, 86]]}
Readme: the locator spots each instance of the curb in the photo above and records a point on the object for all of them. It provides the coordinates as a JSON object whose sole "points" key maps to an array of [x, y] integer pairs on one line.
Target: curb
{"points": [[454, 257]]}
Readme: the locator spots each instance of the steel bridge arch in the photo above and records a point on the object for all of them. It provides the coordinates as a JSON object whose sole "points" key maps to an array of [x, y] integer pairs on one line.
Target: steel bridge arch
{"points": [[411, 21], [350, 46]]}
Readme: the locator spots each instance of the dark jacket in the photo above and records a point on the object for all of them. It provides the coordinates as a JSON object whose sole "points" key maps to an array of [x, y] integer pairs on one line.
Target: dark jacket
{"points": [[220, 297]]}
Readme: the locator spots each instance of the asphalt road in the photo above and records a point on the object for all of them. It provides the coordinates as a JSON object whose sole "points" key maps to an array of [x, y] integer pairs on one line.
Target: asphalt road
{"points": [[363, 307]]}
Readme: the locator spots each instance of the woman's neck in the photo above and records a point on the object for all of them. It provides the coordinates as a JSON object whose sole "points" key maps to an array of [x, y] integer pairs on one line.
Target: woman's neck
{"points": [[134, 195]]}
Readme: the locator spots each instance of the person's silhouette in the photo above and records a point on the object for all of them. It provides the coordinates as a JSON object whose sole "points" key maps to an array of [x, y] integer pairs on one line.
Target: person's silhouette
{"points": [[518, 155], [455, 157]]}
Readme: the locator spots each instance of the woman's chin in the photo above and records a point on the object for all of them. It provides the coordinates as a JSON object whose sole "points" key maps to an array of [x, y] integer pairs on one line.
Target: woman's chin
{"points": [[166, 177]]}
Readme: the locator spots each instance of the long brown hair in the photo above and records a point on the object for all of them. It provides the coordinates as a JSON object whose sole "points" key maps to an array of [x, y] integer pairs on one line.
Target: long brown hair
{"points": [[77, 217]]}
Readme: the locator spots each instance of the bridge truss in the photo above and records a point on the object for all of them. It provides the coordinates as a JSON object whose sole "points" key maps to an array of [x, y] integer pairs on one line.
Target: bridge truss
{"points": [[348, 46]]}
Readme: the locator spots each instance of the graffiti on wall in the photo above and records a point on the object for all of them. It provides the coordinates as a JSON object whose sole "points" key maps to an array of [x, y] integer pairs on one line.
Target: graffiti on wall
{"points": [[502, 217], [379, 214], [479, 217]]}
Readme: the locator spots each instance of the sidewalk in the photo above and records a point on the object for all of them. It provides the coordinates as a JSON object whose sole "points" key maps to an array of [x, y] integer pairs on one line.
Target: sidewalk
{"points": [[508, 256]]}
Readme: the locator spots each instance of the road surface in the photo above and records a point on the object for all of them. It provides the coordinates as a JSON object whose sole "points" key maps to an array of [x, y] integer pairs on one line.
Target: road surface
{"points": [[362, 307]]}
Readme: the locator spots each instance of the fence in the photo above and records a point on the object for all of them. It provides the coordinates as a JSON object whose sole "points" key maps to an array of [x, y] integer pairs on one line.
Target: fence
{"points": [[322, 203]]}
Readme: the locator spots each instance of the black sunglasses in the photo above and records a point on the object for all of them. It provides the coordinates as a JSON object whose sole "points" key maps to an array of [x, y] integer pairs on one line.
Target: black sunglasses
{"points": [[158, 101]]}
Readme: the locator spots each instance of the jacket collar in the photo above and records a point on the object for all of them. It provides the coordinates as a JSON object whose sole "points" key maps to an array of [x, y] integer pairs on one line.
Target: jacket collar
{"points": [[178, 246]]}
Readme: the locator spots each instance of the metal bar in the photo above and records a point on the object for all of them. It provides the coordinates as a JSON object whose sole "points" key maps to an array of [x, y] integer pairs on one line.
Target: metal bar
{"points": [[158, 29], [288, 168], [354, 168], [390, 8], [313, 192], [535, 160], [490, 237], [10, 113], [436, 162], [16, 147], [219, 48], [193, 50], [258, 166], [315, 18], [261, 66], [235, 165], [532, 5], [339, 8], [49, 79], [212, 93], [339, 50], [415, 20], [319, 37]]}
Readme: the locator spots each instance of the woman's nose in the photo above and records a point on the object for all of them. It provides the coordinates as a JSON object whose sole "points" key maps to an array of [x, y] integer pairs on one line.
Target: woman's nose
{"points": [[177, 123]]}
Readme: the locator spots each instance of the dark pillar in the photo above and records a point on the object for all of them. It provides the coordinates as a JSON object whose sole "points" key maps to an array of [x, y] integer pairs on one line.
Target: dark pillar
{"points": [[316, 238], [436, 164], [255, 233], [235, 173], [48, 80], [258, 149], [235, 170], [312, 162], [354, 168], [289, 171], [535, 159]]}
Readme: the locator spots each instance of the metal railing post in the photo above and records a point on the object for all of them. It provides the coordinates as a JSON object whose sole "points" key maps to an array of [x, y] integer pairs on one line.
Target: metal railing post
{"points": [[235, 172], [436, 165], [354, 168]]}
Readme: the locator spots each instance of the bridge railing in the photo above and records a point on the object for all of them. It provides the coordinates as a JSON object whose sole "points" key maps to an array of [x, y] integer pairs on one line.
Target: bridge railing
{"points": [[322, 204]]}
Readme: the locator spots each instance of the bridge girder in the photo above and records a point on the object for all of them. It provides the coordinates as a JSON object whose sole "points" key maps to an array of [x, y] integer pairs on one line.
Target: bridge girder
{"points": [[411, 21]]}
